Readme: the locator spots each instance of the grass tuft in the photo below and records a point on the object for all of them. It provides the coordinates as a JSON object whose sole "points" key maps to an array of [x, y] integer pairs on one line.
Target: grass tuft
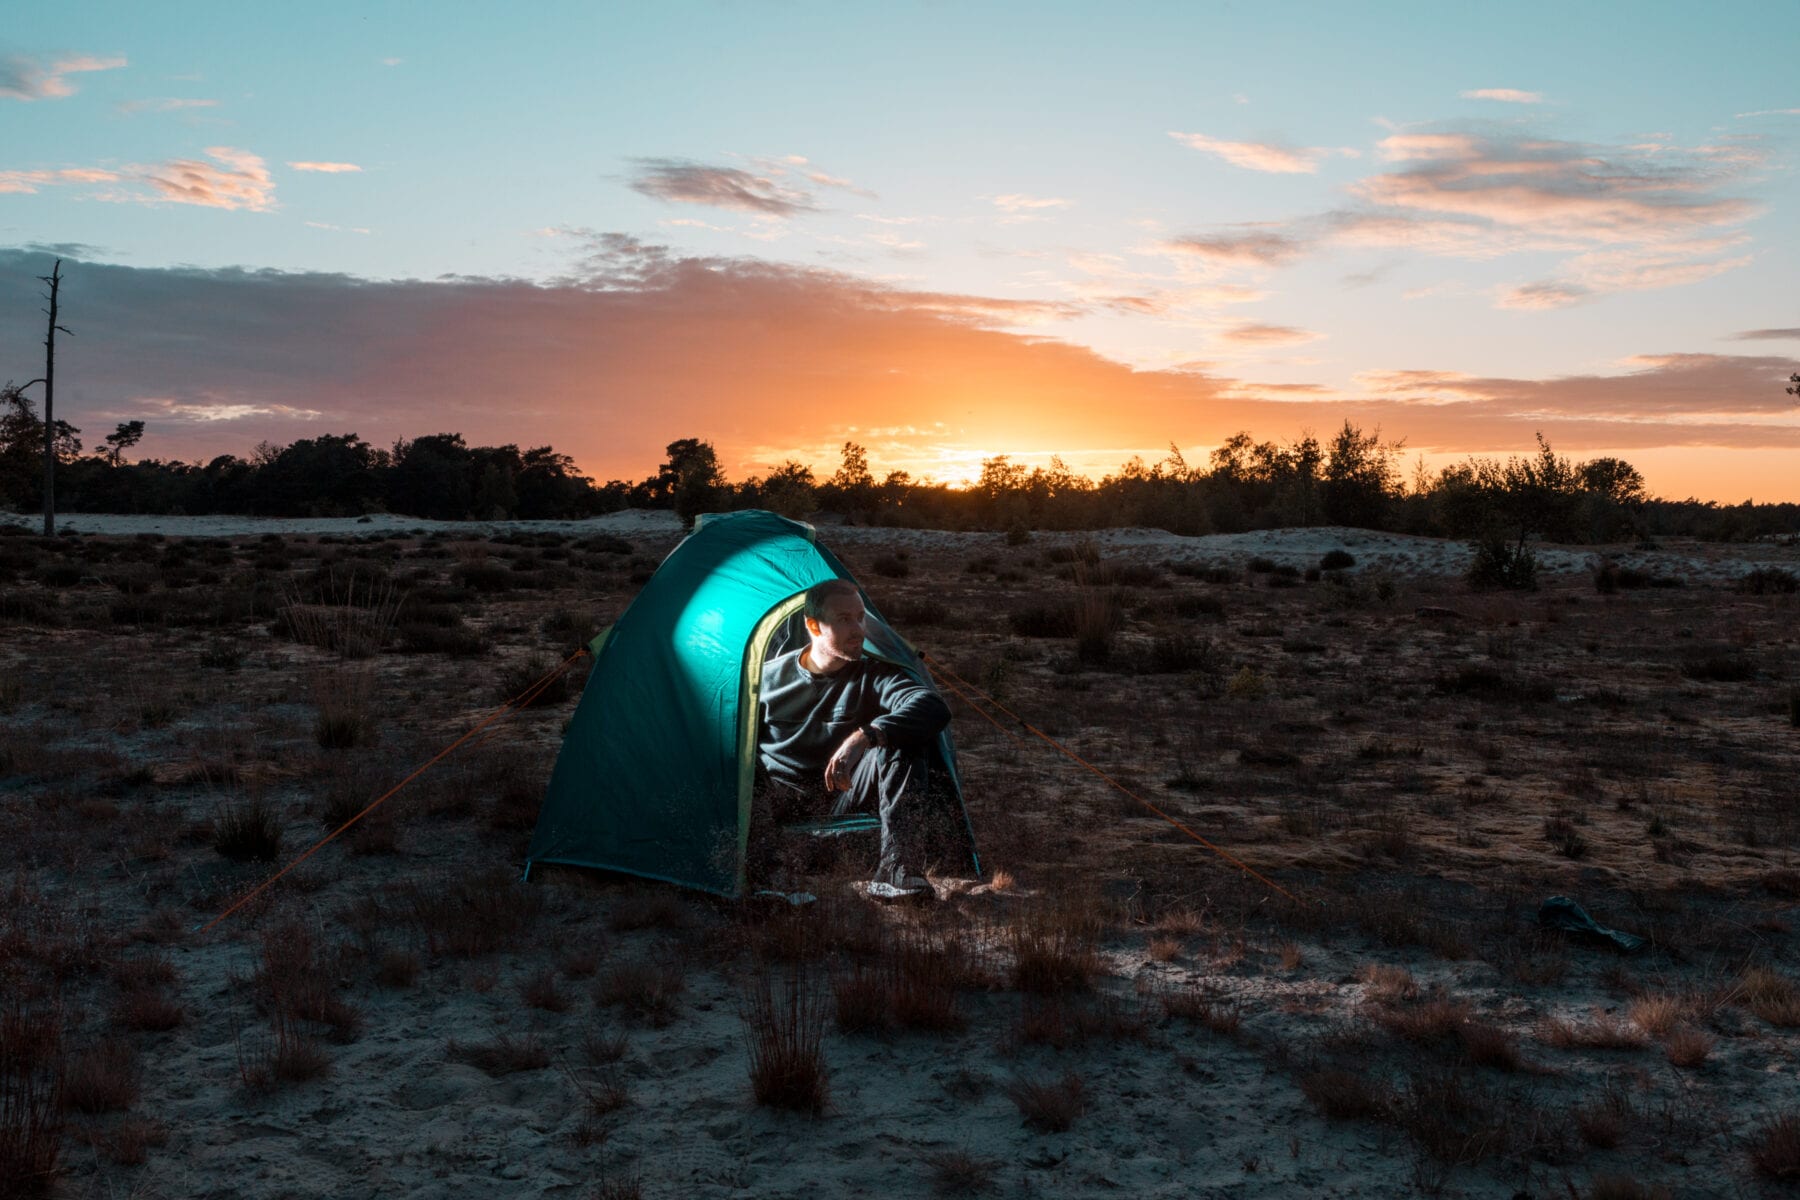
{"points": [[784, 1027]]}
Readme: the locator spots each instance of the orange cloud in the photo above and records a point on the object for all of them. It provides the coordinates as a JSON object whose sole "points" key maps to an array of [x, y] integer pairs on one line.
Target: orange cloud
{"points": [[1255, 246], [1269, 335], [328, 168], [1256, 156], [29, 181], [234, 179], [163, 104]]}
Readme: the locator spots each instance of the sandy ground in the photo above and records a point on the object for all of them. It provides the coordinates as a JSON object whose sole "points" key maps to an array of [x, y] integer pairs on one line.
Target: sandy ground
{"points": [[1193, 1063]]}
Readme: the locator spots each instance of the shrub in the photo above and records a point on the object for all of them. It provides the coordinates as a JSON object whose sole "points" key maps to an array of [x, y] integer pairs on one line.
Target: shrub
{"points": [[1769, 581], [457, 641], [103, 1078], [1261, 565], [468, 917], [1097, 616], [892, 566], [1500, 564], [785, 1030], [1337, 560], [1055, 948], [1720, 666], [1050, 1105], [525, 684], [1775, 1147], [248, 830], [540, 991], [504, 1055], [1342, 1095], [1198, 604], [647, 991], [30, 1127], [397, 968], [1688, 1047], [960, 1173], [1044, 621]]}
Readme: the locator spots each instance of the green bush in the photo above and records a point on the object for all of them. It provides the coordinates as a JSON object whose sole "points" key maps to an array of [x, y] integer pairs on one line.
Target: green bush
{"points": [[1500, 564]]}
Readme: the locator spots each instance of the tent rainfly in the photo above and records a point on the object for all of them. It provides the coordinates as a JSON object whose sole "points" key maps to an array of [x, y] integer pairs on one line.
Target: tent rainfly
{"points": [[657, 768]]}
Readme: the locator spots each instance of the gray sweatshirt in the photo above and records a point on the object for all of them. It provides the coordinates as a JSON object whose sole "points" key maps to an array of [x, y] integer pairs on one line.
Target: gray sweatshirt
{"points": [[806, 717]]}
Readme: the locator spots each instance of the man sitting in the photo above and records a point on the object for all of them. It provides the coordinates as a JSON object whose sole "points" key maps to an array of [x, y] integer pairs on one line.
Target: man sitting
{"points": [[843, 733]]}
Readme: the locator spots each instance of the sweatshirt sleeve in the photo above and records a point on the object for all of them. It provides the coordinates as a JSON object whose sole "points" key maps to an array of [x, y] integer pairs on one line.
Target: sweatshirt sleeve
{"points": [[911, 713]]}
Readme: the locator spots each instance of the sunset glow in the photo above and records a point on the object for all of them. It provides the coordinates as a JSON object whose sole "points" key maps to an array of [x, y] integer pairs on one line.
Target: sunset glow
{"points": [[1067, 231]]}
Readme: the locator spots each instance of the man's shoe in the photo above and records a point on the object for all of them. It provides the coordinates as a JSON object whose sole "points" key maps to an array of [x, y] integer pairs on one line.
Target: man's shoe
{"points": [[912, 889]]}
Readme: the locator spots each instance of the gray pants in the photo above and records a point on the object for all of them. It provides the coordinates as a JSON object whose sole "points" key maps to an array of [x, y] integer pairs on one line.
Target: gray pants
{"points": [[889, 783]]}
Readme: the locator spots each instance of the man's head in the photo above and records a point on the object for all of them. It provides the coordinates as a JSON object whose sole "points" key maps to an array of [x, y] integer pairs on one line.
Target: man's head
{"points": [[835, 621]]}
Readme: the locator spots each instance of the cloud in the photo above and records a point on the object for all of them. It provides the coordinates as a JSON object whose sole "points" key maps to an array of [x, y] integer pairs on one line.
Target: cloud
{"points": [[163, 104], [1016, 202], [392, 62], [1504, 95], [1770, 112], [1556, 189], [683, 182], [787, 164], [24, 78], [1543, 295], [1269, 335], [334, 228], [1256, 246], [327, 168], [25, 182], [234, 179], [1757, 335], [1256, 156]]}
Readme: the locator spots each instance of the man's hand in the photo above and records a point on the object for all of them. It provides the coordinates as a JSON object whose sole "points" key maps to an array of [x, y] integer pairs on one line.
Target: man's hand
{"points": [[843, 763]]}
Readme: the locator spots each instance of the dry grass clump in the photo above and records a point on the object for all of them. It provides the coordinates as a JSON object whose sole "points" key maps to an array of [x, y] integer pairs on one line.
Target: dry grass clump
{"points": [[105, 1077], [785, 1029], [648, 990], [291, 1056], [147, 1010], [30, 1125], [1061, 1023], [1688, 1047], [863, 997], [1623, 1187], [504, 1054], [1055, 947], [649, 908], [1436, 1019], [1344, 1095], [1771, 996], [539, 990], [1775, 1147], [467, 917], [247, 830], [960, 1173], [1490, 1045], [1387, 984], [1604, 1121], [1602, 1031], [1166, 949], [1658, 1013], [397, 968], [602, 1047], [293, 980], [1223, 1017], [1049, 1105], [131, 1140]]}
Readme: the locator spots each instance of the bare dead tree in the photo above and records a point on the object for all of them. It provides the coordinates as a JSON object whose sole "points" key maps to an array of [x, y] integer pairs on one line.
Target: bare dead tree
{"points": [[54, 280]]}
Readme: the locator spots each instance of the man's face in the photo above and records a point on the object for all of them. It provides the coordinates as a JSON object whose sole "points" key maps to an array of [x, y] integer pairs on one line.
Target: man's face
{"points": [[837, 636]]}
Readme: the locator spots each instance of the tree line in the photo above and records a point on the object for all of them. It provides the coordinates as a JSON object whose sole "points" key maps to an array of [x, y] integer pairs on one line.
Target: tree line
{"points": [[1354, 478]]}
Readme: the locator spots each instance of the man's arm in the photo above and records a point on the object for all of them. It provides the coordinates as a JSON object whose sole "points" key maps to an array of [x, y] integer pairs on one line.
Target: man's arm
{"points": [[912, 714]]}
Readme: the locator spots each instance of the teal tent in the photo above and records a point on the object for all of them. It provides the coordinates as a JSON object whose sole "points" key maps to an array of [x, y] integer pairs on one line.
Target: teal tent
{"points": [[658, 765]]}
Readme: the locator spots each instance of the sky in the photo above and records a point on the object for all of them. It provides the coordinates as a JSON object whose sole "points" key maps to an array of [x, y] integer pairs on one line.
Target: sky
{"points": [[943, 231]]}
